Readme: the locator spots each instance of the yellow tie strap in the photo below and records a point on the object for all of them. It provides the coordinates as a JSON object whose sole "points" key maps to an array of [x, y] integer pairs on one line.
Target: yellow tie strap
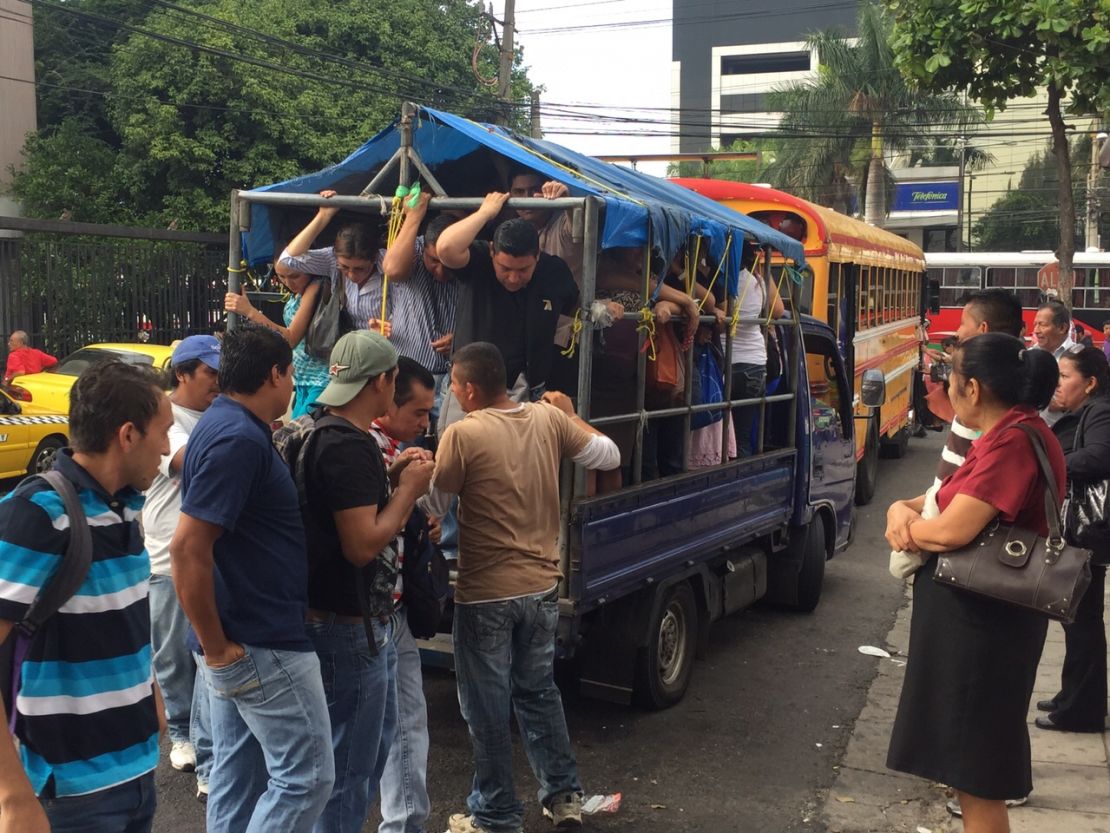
{"points": [[575, 329], [646, 325]]}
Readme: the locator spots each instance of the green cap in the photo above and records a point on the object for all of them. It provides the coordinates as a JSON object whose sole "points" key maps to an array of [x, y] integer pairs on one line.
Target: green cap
{"points": [[356, 358]]}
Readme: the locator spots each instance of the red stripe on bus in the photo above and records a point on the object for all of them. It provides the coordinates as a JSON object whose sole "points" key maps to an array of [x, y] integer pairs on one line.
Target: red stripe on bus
{"points": [[889, 354]]}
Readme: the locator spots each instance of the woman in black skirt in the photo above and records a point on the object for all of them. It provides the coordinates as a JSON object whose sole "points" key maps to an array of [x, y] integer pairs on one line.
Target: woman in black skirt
{"points": [[973, 661]]}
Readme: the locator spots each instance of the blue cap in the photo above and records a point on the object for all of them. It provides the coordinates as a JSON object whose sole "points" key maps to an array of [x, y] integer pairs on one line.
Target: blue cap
{"points": [[205, 348]]}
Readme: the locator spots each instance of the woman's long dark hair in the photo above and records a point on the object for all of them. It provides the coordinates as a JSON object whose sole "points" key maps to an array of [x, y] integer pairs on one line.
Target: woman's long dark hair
{"points": [[1091, 364], [1010, 373]]}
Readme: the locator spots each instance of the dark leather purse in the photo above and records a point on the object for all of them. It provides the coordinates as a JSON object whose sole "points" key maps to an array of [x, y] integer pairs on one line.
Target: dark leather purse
{"points": [[1019, 567], [1087, 511]]}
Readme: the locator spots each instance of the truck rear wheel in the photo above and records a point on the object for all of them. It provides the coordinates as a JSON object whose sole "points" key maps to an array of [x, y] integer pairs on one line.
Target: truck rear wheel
{"points": [[664, 666], [867, 470]]}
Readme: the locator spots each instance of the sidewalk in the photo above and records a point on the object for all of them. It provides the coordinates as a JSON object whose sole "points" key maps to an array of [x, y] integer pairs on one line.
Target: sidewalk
{"points": [[1071, 772]]}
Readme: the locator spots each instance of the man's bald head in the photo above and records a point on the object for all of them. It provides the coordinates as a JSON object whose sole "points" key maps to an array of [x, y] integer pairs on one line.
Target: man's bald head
{"points": [[18, 339]]}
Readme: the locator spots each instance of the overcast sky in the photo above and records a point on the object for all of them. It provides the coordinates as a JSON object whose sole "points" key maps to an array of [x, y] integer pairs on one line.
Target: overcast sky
{"points": [[614, 67]]}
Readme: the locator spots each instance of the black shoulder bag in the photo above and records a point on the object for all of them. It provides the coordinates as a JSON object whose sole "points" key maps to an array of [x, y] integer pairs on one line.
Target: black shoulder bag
{"points": [[1019, 567]]}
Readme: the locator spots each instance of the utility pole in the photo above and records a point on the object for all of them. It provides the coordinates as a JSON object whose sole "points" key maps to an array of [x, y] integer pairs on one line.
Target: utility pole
{"points": [[961, 213], [537, 129], [505, 58], [1091, 237]]}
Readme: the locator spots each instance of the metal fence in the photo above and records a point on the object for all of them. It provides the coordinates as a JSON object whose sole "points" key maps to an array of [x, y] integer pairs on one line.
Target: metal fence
{"points": [[70, 284]]}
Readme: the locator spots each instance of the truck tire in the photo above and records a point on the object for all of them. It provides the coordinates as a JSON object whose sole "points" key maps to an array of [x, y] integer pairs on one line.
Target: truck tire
{"points": [[895, 447], [665, 665], [867, 470], [809, 549]]}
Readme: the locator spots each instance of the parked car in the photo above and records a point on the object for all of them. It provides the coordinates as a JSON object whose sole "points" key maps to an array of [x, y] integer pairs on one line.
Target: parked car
{"points": [[50, 388], [30, 436]]}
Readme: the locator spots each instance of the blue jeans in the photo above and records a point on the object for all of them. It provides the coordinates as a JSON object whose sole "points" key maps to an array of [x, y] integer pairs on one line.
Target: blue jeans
{"points": [[173, 661], [362, 704], [748, 382], [199, 732], [126, 808], [504, 657], [271, 743], [404, 784]]}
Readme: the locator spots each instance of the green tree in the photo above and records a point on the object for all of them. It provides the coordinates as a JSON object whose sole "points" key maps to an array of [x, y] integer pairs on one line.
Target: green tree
{"points": [[733, 170], [209, 95], [1026, 217], [999, 50], [841, 125]]}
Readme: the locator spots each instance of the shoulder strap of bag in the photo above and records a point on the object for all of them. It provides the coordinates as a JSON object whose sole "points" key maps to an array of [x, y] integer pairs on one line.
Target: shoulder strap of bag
{"points": [[75, 564], [61, 586], [1051, 496]]}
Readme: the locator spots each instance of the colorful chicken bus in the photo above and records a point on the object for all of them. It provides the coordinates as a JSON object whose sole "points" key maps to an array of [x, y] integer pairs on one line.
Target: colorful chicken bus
{"points": [[867, 284]]}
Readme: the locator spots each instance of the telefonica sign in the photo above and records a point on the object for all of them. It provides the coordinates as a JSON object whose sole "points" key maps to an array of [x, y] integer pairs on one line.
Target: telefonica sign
{"points": [[926, 196]]}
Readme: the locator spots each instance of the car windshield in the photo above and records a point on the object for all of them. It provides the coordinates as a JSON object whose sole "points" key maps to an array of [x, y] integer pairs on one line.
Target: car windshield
{"points": [[76, 363]]}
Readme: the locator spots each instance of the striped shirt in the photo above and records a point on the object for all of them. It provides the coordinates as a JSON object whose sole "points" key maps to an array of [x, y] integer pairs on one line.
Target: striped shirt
{"points": [[421, 309], [956, 446], [86, 715]]}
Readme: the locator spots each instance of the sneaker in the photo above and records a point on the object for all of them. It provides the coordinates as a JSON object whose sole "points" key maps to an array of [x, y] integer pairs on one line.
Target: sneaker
{"points": [[202, 792], [465, 823], [182, 756], [565, 810], [953, 805]]}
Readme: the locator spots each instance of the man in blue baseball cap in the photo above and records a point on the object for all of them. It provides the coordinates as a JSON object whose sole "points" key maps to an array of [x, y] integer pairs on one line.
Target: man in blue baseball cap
{"points": [[194, 385]]}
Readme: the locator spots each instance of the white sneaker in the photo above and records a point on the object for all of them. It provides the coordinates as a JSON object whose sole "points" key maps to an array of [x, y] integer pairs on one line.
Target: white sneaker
{"points": [[182, 756], [202, 791]]}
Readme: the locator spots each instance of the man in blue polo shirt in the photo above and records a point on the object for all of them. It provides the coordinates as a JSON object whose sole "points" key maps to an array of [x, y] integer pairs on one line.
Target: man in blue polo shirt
{"points": [[86, 714], [241, 573]]}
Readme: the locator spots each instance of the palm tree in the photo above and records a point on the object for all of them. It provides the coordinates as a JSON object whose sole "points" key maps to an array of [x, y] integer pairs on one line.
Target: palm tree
{"points": [[839, 126]]}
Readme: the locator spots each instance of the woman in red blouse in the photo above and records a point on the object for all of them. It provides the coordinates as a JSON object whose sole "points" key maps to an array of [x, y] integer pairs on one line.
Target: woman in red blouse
{"points": [[973, 661]]}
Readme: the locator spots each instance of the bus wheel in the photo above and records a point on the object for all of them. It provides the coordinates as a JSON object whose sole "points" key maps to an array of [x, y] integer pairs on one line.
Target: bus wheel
{"points": [[665, 665], [867, 470], [895, 447]]}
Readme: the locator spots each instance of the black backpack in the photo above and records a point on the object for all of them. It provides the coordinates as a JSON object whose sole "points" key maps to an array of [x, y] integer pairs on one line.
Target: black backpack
{"points": [[294, 443], [52, 595], [425, 578]]}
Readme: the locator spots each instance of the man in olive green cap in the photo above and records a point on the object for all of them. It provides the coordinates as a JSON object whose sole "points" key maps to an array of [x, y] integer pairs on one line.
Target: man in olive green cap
{"points": [[351, 522]]}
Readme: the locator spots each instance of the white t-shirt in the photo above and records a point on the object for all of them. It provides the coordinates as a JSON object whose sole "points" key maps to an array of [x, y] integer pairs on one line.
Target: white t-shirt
{"points": [[749, 345], [163, 498]]}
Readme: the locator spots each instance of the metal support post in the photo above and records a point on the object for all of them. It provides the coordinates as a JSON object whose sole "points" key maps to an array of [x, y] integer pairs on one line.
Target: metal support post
{"points": [[234, 257], [586, 337]]}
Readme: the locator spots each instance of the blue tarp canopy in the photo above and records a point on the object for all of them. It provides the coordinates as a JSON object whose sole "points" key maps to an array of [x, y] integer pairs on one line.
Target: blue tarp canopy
{"points": [[460, 154]]}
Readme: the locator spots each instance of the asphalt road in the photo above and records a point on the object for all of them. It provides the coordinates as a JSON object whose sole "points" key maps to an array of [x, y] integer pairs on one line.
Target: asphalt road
{"points": [[755, 742]]}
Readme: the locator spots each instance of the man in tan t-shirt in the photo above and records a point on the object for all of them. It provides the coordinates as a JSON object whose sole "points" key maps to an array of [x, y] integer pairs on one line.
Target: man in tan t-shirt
{"points": [[502, 460]]}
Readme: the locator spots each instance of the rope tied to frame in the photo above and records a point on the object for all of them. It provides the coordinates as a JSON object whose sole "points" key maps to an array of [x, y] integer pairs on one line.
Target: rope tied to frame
{"points": [[575, 330], [713, 280], [396, 220], [646, 325]]}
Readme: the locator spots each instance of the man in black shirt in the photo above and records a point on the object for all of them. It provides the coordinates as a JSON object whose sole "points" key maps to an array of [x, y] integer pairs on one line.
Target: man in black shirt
{"points": [[510, 294], [351, 523]]}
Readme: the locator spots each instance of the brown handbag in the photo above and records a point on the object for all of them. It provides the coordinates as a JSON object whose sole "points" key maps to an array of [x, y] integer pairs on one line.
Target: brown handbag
{"points": [[1019, 567]]}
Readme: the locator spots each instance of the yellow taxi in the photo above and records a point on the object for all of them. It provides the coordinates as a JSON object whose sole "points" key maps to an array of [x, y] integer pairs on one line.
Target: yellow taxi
{"points": [[49, 389], [30, 436]]}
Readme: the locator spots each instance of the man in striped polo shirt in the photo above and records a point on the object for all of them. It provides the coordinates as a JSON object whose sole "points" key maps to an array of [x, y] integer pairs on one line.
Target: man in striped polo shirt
{"points": [[990, 311], [86, 713]]}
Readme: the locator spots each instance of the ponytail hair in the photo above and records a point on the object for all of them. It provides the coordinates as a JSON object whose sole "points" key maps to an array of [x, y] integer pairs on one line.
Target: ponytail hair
{"points": [[1091, 364], [1010, 373], [357, 240]]}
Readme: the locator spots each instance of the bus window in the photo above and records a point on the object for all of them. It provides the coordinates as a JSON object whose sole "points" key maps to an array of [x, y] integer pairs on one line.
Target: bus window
{"points": [[955, 282], [1091, 289], [832, 316], [1021, 280]]}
